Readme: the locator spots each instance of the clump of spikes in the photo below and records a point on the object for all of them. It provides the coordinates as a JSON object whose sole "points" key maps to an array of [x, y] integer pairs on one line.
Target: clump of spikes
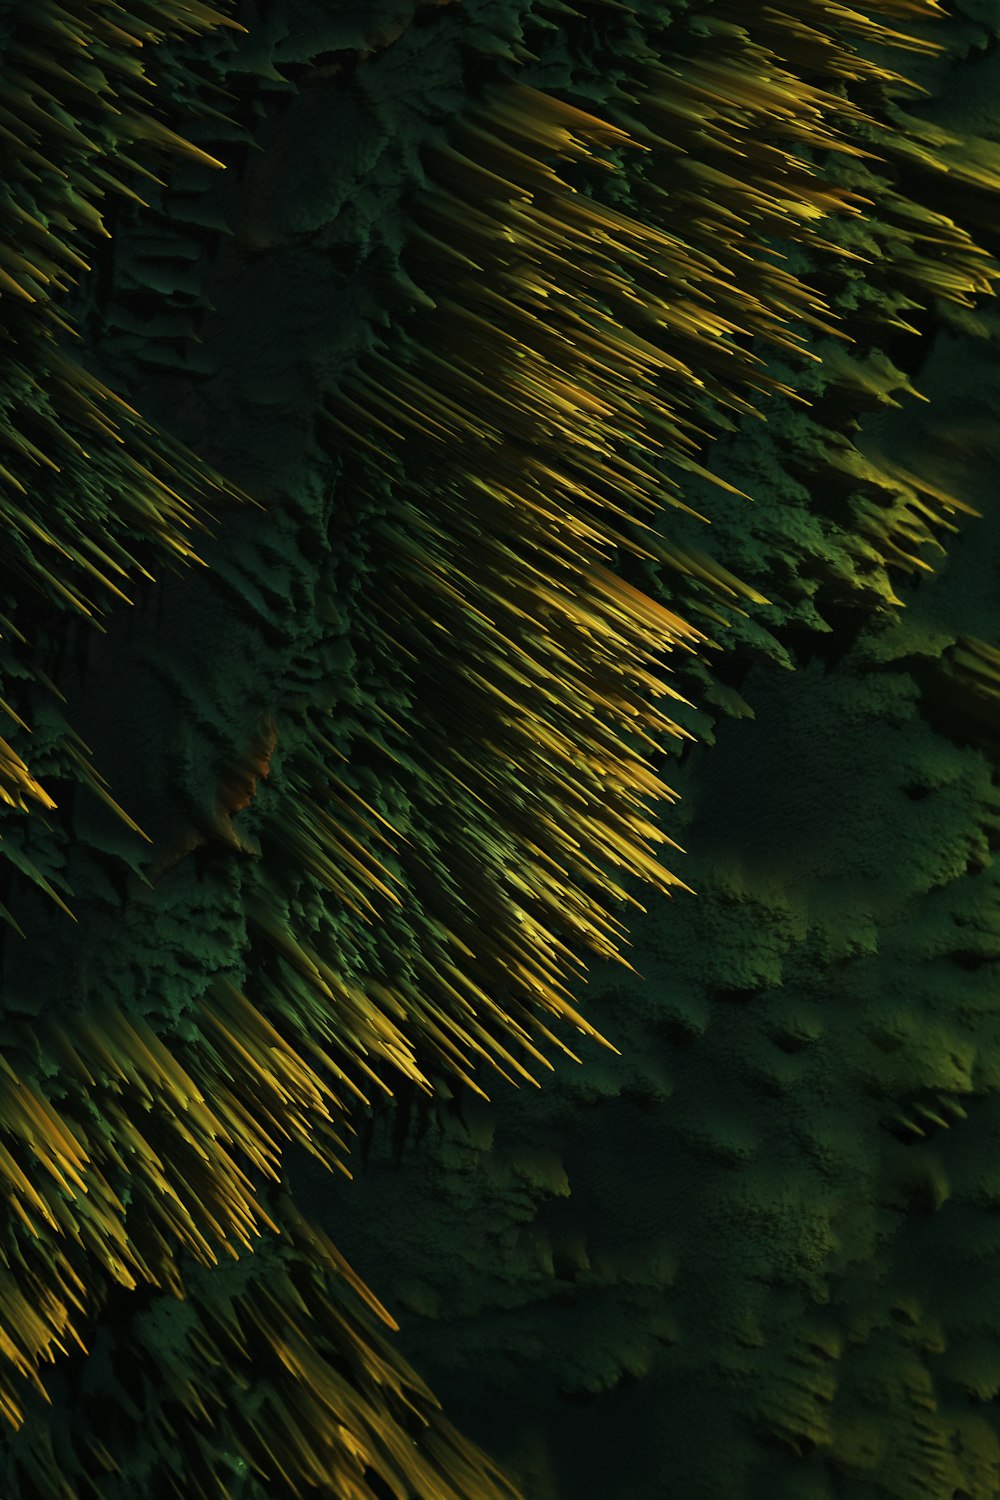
{"points": [[176, 1124], [564, 352], [81, 472]]}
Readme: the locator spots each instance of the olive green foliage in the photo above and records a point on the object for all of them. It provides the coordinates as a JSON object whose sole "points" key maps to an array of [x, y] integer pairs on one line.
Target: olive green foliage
{"points": [[485, 316], [89, 487]]}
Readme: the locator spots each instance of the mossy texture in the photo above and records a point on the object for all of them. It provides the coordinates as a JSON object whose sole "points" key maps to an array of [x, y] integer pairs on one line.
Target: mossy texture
{"points": [[494, 307]]}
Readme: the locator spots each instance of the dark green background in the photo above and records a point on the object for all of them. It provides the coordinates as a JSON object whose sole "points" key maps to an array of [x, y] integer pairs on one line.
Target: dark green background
{"points": [[717, 1265]]}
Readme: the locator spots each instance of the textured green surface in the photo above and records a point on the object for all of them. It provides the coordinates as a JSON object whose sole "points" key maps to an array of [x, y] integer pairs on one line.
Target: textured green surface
{"points": [[748, 1253]]}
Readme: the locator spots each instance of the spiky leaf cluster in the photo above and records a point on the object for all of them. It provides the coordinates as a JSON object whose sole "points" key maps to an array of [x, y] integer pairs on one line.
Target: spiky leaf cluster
{"points": [[502, 474], [86, 484]]}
